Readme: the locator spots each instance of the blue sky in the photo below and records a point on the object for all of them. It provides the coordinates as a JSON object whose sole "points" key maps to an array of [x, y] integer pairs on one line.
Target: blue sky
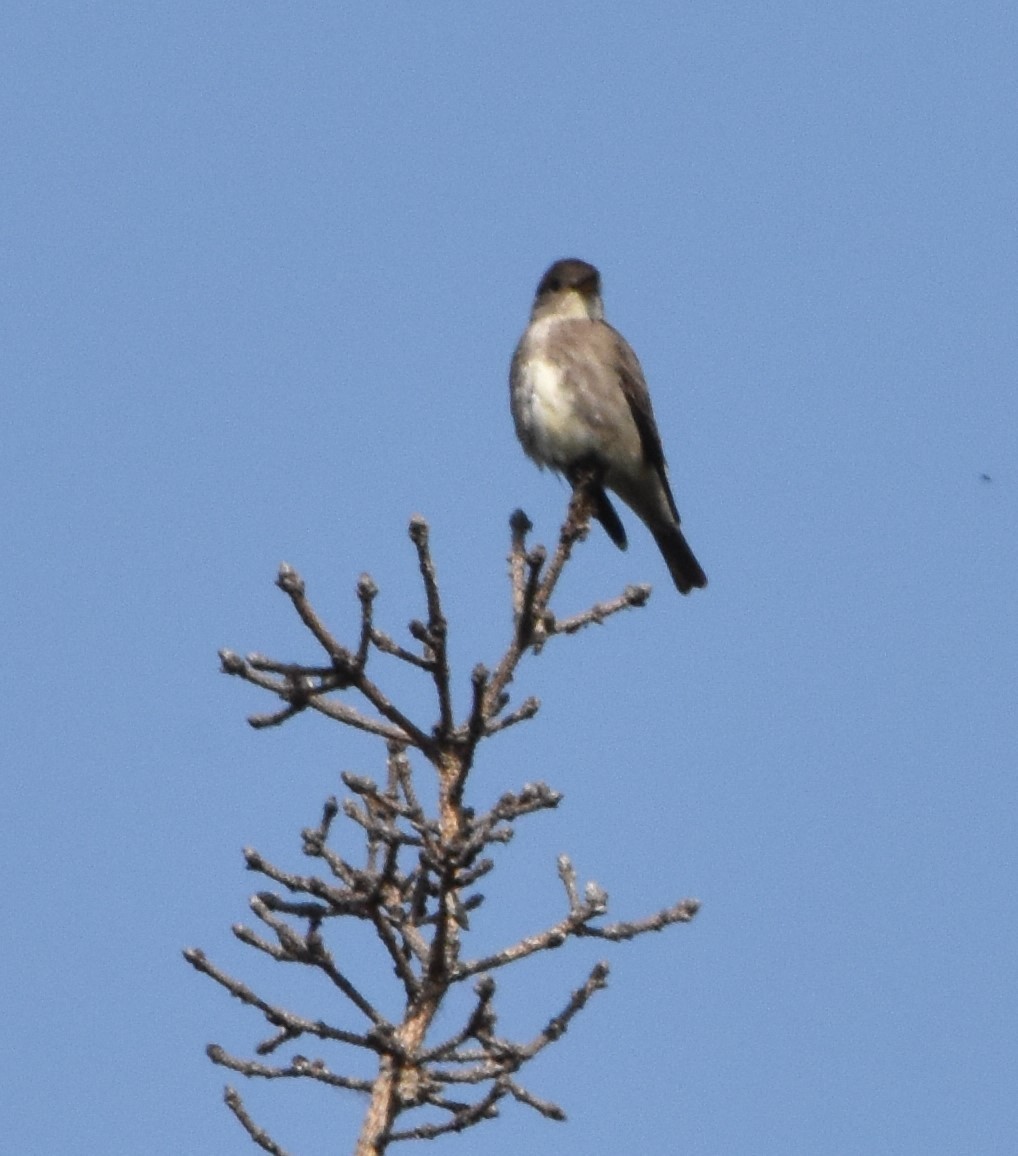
{"points": [[264, 267]]}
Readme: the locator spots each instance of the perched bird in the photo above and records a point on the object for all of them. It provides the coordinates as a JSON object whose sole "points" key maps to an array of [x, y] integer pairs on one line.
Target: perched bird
{"points": [[581, 407]]}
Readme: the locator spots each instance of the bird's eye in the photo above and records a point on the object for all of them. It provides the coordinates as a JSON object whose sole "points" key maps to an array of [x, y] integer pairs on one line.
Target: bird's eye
{"points": [[554, 285]]}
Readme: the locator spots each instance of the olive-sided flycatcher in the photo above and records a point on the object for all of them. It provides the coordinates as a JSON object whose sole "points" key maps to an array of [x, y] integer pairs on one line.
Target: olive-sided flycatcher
{"points": [[581, 407]]}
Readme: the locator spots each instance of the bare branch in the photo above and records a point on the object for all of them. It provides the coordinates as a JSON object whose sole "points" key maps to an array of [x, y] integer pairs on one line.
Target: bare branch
{"points": [[405, 731], [382, 642], [276, 1016], [479, 683], [681, 912], [399, 957], [567, 873], [438, 627], [574, 529], [367, 591], [465, 1116], [557, 1025], [414, 887], [632, 596], [297, 686], [298, 1069], [526, 710], [481, 1019], [520, 526], [292, 584], [306, 686], [547, 1109], [552, 937], [264, 1141]]}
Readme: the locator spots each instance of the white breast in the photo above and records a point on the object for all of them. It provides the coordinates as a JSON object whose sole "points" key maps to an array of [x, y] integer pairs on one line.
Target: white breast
{"points": [[556, 434]]}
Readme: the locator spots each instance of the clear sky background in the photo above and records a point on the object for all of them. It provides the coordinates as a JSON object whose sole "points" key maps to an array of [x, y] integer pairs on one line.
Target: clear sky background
{"points": [[263, 269]]}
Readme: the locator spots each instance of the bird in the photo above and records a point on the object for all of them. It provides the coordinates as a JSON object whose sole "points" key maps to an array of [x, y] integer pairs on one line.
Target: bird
{"points": [[581, 407]]}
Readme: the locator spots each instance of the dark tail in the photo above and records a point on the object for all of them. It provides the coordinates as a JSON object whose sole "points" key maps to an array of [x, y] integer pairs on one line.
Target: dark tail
{"points": [[605, 513], [686, 572]]}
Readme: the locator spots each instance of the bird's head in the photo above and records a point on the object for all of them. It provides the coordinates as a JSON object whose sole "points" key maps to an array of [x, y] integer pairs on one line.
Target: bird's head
{"points": [[570, 288]]}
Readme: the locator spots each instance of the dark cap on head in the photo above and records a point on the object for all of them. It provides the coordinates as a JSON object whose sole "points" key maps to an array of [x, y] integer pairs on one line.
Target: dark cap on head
{"points": [[571, 273]]}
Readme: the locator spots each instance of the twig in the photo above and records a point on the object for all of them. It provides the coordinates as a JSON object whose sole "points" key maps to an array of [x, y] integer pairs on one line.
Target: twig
{"points": [[258, 1135]]}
